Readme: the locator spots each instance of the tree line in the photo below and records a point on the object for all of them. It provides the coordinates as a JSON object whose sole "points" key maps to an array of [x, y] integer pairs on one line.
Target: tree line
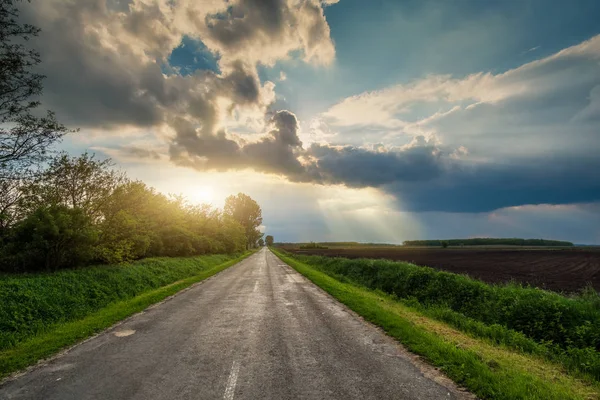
{"points": [[81, 210], [488, 242], [59, 211]]}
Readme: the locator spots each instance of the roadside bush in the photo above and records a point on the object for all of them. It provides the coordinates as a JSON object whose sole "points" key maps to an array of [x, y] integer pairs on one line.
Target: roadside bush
{"points": [[122, 238], [51, 238], [178, 242]]}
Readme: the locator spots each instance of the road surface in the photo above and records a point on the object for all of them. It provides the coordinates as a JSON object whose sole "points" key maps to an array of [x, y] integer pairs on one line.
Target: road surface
{"points": [[258, 330]]}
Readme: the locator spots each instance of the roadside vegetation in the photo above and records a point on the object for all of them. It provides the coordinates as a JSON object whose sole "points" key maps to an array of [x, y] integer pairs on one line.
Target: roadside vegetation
{"points": [[312, 245], [44, 312], [61, 211], [73, 228], [80, 211], [500, 341]]}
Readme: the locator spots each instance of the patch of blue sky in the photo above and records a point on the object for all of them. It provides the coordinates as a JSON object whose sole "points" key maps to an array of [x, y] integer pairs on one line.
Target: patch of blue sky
{"points": [[190, 56]]}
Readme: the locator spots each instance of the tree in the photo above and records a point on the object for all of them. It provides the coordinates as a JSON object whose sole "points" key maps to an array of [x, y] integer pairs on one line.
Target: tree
{"points": [[11, 194], [270, 240], [247, 212], [51, 238], [261, 242], [78, 182], [232, 235], [123, 237], [24, 138]]}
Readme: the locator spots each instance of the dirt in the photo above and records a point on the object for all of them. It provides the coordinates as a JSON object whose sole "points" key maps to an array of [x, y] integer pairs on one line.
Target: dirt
{"points": [[564, 270]]}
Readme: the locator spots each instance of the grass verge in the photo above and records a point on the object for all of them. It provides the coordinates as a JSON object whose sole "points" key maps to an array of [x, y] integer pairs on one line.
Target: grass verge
{"points": [[488, 370], [565, 329], [59, 335]]}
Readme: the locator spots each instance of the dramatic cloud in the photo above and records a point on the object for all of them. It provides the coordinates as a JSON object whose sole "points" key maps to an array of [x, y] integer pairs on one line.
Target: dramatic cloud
{"points": [[268, 30], [359, 167], [107, 62], [509, 138], [439, 143], [275, 153], [486, 187]]}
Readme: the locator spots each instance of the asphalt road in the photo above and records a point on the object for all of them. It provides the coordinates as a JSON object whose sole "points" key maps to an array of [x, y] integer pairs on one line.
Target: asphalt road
{"points": [[258, 330]]}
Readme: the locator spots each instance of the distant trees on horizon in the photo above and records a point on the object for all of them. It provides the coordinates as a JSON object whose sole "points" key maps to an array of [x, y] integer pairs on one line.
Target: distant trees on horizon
{"points": [[269, 240], [488, 242]]}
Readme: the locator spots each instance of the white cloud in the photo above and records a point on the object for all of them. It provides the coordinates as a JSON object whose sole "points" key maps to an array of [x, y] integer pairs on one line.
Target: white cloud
{"points": [[548, 105], [383, 107]]}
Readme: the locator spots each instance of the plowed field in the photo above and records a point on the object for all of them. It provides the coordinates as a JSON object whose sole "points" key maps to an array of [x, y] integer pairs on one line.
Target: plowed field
{"points": [[564, 270]]}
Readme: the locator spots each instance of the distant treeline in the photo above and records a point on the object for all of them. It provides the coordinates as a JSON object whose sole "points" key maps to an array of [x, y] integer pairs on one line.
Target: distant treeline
{"points": [[332, 244], [488, 242]]}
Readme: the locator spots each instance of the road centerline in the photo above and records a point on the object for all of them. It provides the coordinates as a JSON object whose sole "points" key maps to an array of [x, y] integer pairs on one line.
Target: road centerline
{"points": [[232, 381]]}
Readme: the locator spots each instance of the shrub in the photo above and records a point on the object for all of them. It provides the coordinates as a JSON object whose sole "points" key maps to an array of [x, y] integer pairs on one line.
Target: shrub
{"points": [[52, 238]]}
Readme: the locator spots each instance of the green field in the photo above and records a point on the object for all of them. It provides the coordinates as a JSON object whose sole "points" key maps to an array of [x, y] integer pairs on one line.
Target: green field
{"points": [[500, 342], [44, 312]]}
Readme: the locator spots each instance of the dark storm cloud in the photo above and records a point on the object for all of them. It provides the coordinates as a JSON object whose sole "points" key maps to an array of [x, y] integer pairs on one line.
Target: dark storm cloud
{"points": [[278, 152], [87, 84], [358, 167], [275, 153], [245, 20], [423, 175], [104, 68], [489, 187], [426, 178]]}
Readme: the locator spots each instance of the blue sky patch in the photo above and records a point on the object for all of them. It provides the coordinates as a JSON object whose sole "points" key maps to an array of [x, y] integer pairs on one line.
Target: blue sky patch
{"points": [[193, 55]]}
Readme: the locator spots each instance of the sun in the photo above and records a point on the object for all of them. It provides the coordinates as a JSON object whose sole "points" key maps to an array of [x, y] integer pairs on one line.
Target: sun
{"points": [[203, 194]]}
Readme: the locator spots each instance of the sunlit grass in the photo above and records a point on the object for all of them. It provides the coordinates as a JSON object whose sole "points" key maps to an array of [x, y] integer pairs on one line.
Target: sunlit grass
{"points": [[486, 368], [42, 313]]}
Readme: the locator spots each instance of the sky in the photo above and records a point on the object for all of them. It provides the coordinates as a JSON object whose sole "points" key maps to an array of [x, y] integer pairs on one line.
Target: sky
{"points": [[378, 121]]}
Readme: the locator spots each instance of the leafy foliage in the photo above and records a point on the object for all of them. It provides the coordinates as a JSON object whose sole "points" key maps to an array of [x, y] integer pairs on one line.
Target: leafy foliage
{"points": [[51, 238], [247, 212], [84, 205], [24, 137], [269, 240]]}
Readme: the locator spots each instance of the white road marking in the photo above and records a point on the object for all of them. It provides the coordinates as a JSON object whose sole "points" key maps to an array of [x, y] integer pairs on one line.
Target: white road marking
{"points": [[231, 382]]}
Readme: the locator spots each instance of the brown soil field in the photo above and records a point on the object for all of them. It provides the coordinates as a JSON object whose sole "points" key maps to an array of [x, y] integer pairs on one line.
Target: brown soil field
{"points": [[565, 270]]}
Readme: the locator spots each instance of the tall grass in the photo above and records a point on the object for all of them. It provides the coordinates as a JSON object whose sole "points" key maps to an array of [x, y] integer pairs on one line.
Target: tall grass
{"points": [[535, 320], [31, 304]]}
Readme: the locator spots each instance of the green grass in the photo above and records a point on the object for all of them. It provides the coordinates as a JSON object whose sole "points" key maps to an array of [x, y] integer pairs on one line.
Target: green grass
{"points": [[488, 369], [40, 314], [563, 328]]}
